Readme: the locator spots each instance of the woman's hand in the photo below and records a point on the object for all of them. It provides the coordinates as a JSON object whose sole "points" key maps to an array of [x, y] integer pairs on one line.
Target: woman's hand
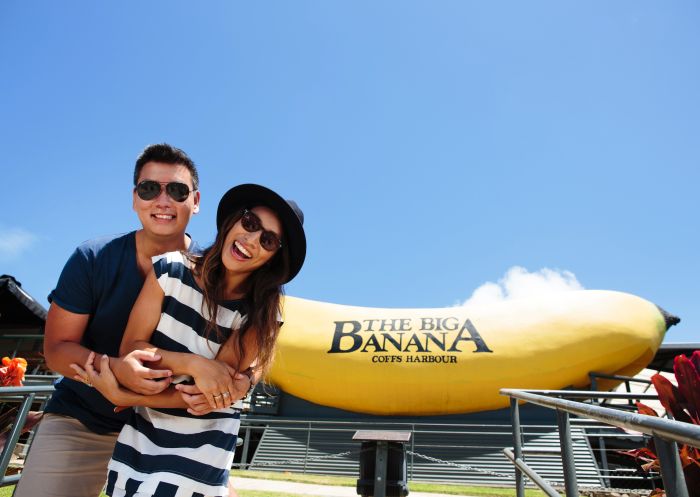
{"points": [[215, 381], [198, 404], [105, 382]]}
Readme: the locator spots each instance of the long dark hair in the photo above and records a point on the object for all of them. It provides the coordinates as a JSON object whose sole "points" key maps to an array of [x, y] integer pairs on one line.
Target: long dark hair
{"points": [[263, 291]]}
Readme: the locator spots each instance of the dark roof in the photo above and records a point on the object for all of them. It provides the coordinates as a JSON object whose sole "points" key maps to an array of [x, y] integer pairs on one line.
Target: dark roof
{"points": [[663, 360], [18, 309]]}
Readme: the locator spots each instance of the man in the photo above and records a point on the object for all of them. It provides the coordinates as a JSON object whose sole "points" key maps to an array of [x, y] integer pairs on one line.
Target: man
{"points": [[89, 310]]}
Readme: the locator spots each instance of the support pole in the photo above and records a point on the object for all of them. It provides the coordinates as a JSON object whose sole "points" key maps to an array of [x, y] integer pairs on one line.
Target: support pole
{"points": [[374, 478], [567, 454], [517, 446], [380, 464], [671, 469], [246, 444]]}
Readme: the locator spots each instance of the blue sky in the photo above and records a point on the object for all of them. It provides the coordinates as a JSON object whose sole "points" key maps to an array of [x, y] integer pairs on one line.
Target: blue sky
{"points": [[433, 145]]}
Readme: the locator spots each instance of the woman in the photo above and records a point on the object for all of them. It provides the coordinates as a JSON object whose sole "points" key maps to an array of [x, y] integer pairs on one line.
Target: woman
{"points": [[222, 305]]}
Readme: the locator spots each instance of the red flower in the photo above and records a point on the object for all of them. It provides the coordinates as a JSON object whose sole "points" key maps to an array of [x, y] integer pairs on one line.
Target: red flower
{"points": [[12, 372]]}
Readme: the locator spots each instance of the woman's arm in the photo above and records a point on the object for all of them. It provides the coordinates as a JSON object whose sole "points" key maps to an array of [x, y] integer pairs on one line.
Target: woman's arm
{"points": [[212, 377], [236, 361], [143, 319]]}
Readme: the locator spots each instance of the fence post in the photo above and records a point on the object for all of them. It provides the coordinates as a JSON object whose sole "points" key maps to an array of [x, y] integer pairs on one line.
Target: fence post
{"points": [[567, 454], [413, 449], [604, 459], [517, 446], [671, 470], [308, 443], [246, 443]]}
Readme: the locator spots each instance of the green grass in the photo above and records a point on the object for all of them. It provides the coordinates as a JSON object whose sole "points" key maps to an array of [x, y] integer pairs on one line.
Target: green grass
{"points": [[440, 488], [265, 493]]}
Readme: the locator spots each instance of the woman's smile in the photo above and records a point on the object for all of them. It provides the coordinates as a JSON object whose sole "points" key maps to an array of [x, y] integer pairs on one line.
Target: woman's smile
{"points": [[240, 252]]}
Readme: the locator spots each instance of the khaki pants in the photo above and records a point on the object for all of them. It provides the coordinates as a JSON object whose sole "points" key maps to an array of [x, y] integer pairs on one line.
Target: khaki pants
{"points": [[65, 460]]}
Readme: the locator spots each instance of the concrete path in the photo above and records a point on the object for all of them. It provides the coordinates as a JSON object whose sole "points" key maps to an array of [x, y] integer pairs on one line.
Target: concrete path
{"points": [[308, 488]]}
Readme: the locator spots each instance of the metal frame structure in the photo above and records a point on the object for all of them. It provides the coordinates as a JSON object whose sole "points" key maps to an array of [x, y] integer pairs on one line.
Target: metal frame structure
{"points": [[667, 435], [25, 396]]}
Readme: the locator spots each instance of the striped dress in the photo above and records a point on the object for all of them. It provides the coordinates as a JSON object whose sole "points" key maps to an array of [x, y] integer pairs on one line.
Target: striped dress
{"points": [[168, 452]]}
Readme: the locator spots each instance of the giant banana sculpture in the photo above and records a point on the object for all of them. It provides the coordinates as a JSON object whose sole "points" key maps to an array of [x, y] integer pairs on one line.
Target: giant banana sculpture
{"points": [[455, 359]]}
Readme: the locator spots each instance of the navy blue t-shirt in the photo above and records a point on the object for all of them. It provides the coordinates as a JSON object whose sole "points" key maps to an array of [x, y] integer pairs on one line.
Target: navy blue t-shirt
{"points": [[102, 279]]}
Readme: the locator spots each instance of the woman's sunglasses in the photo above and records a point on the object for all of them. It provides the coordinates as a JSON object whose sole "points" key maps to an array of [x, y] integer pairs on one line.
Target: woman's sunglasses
{"points": [[268, 239], [149, 189]]}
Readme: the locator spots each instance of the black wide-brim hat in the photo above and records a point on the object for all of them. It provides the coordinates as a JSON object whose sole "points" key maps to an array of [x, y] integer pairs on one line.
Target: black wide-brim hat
{"points": [[290, 215]]}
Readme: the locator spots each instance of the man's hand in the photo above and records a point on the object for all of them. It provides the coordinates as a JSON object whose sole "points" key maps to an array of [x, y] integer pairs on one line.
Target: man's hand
{"points": [[104, 381], [132, 374]]}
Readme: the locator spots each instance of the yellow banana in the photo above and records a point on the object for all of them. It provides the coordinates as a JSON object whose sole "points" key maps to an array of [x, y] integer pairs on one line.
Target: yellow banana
{"points": [[455, 359]]}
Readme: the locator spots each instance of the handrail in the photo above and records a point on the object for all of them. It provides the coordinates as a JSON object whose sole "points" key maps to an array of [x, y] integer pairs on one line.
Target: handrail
{"points": [[667, 434], [588, 394], [21, 391], [667, 428]]}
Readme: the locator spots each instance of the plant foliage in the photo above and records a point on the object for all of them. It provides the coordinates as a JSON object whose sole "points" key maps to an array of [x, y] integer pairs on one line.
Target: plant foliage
{"points": [[682, 402]]}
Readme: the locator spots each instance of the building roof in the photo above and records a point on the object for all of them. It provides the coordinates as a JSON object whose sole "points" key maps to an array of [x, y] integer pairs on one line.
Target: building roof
{"points": [[18, 309], [663, 360]]}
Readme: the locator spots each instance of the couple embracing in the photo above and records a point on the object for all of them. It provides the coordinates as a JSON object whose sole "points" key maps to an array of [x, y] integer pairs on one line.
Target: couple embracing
{"points": [[158, 339]]}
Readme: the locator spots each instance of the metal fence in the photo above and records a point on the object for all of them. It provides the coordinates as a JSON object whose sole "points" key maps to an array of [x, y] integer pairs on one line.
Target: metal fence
{"points": [[460, 453], [667, 434], [455, 452], [23, 398]]}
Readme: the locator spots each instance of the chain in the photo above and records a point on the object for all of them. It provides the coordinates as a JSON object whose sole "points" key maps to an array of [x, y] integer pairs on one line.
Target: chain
{"points": [[303, 459], [460, 466], [422, 456], [494, 473]]}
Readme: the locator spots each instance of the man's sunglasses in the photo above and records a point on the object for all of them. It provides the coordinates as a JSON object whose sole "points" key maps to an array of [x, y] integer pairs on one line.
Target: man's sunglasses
{"points": [[149, 189], [268, 239]]}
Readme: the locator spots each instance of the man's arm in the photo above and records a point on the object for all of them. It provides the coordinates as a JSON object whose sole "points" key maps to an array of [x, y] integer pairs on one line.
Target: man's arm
{"points": [[97, 373], [63, 333], [182, 396]]}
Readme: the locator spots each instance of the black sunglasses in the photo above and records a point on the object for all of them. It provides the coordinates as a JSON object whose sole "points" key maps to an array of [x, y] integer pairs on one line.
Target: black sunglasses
{"points": [[149, 189], [268, 239]]}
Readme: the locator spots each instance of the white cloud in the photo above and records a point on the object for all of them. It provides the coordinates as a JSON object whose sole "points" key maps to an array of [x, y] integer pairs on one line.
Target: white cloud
{"points": [[14, 241], [519, 282]]}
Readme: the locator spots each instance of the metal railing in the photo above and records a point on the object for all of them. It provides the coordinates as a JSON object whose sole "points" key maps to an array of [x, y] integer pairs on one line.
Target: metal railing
{"points": [[667, 434], [19, 339], [452, 450], [627, 381], [25, 397], [460, 453]]}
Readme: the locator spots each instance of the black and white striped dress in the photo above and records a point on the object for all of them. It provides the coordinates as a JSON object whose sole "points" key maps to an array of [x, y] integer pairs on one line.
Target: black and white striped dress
{"points": [[168, 452]]}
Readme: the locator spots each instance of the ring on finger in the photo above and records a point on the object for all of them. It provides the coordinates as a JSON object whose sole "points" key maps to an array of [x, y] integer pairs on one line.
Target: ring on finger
{"points": [[226, 394]]}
